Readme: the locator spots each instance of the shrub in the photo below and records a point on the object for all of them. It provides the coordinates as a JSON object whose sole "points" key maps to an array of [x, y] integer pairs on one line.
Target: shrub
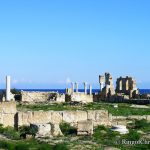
{"points": [[15, 91], [67, 129], [133, 135], [141, 124], [27, 130]]}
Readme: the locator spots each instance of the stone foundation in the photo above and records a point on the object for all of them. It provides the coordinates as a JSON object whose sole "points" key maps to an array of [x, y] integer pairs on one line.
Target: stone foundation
{"points": [[99, 117]]}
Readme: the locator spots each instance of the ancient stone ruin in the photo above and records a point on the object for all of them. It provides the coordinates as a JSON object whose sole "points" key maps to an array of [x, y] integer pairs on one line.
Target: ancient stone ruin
{"points": [[126, 86], [47, 122], [108, 90]]}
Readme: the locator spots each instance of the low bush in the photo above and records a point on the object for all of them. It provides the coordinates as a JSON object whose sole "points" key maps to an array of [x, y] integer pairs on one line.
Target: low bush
{"points": [[67, 129], [24, 130]]}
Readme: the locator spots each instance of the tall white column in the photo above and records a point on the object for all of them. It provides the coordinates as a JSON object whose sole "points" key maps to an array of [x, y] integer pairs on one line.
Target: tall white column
{"points": [[72, 87], [85, 88], [90, 87], [7, 88], [76, 84]]}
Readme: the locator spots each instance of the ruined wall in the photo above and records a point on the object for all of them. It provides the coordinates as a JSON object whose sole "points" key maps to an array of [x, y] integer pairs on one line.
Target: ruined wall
{"points": [[126, 86], [123, 120], [99, 117], [81, 97], [42, 96], [8, 113]]}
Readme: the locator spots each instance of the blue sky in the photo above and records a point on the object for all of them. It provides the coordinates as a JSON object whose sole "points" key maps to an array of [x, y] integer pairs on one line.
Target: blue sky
{"points": [[47, 44]]}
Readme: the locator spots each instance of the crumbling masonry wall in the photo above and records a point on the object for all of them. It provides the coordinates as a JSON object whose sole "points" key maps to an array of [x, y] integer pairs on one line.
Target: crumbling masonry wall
{"points": [[99, 117], [10, 117], [8, 113], [41, 96]]}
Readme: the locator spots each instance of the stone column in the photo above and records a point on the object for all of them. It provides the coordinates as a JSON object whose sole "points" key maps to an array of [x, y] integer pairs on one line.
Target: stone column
{"points": [[90, 87], [101, 81], [76, 84], [101, 86], [7, 88], [72, 87], [85, 88]]}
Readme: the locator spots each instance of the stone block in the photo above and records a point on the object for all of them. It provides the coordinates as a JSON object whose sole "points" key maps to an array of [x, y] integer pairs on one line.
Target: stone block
{"points": [[56, 130], [56, 117], [43, 129], [85, 127]]}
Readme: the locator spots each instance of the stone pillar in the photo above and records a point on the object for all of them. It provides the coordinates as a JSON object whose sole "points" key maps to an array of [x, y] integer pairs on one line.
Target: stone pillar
{"points": [[101, 86], [72, 87], [7, 88], [76, 84], [85, 88], [101, 81], [90, 87]]}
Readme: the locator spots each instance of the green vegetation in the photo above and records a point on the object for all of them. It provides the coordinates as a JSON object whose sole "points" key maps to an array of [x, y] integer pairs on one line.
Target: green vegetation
{"points": [[24, 130], [15, 91], [123, 109], [61, 146], [104, 136], [24, 145], [9, 132], [13, 140], [67, 129]]}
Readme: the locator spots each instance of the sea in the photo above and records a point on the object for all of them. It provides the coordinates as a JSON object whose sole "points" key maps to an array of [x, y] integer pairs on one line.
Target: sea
{"points": [[142, 91]]}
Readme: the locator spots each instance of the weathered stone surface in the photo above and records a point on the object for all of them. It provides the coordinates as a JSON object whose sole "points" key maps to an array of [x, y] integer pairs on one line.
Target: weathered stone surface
{"points": [[42, 96], [27, 118], [56, 130], [60, 98], [74, 116], [43, 129], [8, 120], [8, 107], [101, 118], [81, 97], [108, 90], [7, 113], [85, 127], [56, 117], [69, 116], [126, 86]]}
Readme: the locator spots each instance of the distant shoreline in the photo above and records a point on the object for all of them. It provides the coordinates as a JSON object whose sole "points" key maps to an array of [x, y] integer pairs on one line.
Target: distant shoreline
{"points": [[142, 91]]}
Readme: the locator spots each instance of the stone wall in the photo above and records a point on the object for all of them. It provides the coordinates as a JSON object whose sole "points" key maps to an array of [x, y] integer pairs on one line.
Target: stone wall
{"points": [[81, 97], [42, 96], [123, 120], [8, 113], [99, 117], [126, 86]]}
